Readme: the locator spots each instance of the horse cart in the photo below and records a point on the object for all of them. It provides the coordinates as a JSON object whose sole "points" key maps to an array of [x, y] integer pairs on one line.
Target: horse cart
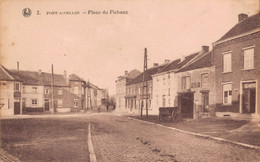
{"points": [[170, 112]]}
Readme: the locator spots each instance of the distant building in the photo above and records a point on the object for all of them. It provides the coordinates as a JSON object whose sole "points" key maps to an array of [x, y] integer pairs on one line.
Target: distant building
{"points": [[10, 93], [121, 88], [236, 58], [135, 93], [166, 82], [32, 92]]}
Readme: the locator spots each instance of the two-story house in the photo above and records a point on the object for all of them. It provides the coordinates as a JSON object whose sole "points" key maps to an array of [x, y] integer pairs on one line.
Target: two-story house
{"points": [[10, 93], [236, 58], [196, 87], [77, 87]]}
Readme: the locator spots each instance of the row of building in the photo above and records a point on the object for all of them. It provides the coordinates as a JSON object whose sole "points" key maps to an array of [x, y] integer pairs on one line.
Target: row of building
{"points": [[31, 91], [220, 82]]}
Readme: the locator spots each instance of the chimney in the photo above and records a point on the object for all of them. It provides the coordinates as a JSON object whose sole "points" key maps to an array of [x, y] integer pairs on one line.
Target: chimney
{"points": [[242, 16], [17, 65], [204, 49], [40, 71], [126, 73], [166, 61], [155, 64], [65, 74]]}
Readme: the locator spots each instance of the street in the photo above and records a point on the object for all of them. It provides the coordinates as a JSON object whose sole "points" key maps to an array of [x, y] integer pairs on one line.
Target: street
{"points": [[114, 138], [118, 138]]}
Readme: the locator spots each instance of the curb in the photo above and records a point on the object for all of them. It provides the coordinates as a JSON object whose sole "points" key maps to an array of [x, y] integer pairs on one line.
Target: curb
{"points": [[92, 155], [199, 135]]}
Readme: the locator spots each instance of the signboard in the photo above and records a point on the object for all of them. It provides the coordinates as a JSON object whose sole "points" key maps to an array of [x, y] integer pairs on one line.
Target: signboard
{"points": [[195, 85], [249, 85]]}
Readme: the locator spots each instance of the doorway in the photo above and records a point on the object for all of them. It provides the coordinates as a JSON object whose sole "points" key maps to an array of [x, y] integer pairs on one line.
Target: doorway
{"points": [[17, 107], [47, 104], [186, 104], [205, 101], [249, 99]]}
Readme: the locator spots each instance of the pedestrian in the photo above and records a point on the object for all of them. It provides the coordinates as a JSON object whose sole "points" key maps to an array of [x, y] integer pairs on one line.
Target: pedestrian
{"points": [[98, 109], [107, 106]]}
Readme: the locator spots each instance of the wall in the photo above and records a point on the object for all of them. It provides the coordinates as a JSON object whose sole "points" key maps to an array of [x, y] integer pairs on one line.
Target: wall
{"points": [[238, 74], [195, 76], [161, 84], [28, 94], [7, 98]]}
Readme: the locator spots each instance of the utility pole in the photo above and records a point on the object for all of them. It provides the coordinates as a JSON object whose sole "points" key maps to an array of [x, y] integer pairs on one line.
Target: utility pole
{"points": [[52, 89], [89, 96], [144, 85]]}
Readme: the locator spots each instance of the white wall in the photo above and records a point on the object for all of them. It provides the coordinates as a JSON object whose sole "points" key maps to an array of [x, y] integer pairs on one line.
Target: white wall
{"points": [[29, 94]]}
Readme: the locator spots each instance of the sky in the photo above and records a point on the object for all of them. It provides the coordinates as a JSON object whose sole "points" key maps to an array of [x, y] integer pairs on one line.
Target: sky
{"points": [[100, 47]]}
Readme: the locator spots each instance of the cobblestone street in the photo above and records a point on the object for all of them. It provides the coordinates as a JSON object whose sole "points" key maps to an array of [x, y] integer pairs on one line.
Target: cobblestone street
{"points": [[118, 138]]}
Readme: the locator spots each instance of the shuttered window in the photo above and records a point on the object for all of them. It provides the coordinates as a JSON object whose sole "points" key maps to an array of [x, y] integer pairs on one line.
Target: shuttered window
{"points": [[249, 58], [227, 62]]}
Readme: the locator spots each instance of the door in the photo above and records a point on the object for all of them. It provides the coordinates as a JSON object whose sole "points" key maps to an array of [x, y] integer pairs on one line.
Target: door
{"points": [[249, 98], [16, 107], [205, 101], [47, 104], [187, 105]]}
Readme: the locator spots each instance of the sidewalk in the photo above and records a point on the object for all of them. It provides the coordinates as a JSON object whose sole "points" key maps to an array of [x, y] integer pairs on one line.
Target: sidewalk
{"points": [[242, 131]]}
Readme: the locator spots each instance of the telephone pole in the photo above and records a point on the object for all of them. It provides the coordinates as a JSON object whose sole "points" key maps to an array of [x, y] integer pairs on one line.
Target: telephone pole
{"points": [[144, 96], [52, 89]]}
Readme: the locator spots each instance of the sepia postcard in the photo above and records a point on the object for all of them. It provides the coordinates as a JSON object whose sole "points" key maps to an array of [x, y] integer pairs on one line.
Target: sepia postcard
{"points": [[129, 80]]}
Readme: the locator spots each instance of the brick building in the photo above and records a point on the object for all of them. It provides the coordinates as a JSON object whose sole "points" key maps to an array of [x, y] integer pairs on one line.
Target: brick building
{"points": [[236, 58]]}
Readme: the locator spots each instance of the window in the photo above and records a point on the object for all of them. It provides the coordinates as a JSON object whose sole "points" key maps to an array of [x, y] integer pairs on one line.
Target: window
{"points": [[169, 91], [249, 58], [164, 81], [34, 102], [169, 76], [59, 103], [34, 89], [169, 102], [76, 102], [2, 85], [185, 82], [204, 80], [164, 100], [227, 62], [47, 91], [59, 91], [17, 86], [227, 94]]}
